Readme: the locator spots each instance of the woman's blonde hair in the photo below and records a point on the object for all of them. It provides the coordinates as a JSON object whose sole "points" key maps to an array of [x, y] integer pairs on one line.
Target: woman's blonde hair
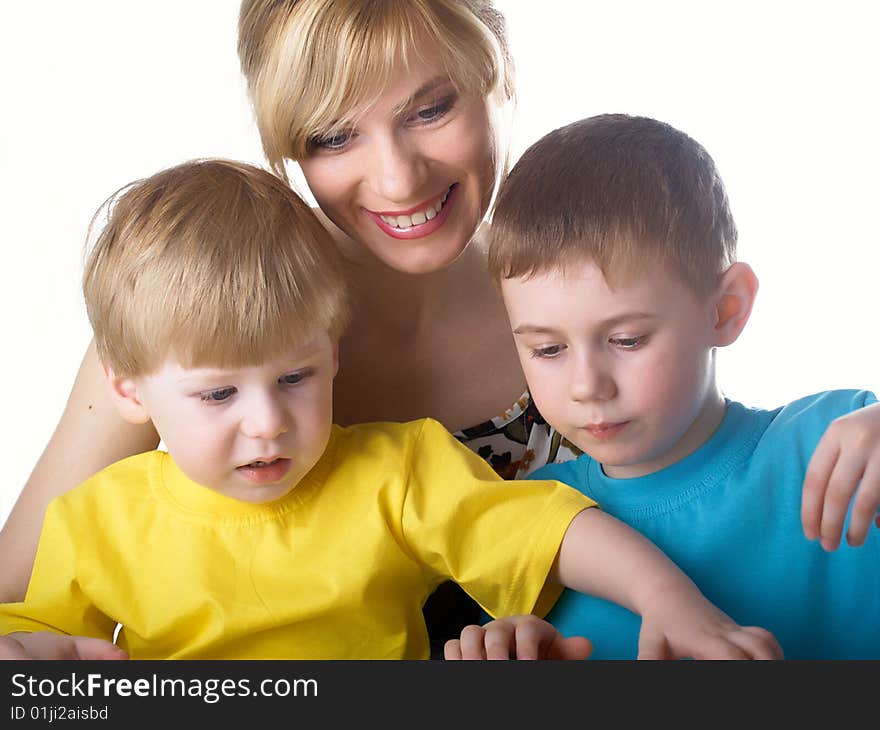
{"points": [[216, 263], [313, 65]]}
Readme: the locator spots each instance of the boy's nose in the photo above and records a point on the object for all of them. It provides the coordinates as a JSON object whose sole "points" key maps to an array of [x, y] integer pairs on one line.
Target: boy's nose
{"points": [[397, 170], [264, 419], [590, 380]]}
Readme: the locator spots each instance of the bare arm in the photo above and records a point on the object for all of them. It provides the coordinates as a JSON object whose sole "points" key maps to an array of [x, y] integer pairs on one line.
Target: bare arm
{"points": [[89, 436], [604, 557]]}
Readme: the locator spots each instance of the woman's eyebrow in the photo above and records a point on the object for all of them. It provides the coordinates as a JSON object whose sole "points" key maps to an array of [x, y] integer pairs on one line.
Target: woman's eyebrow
{"points": [[423, 90]]}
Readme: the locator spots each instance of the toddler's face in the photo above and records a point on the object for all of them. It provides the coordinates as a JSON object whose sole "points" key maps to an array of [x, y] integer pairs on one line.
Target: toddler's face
{"points": [[626, 372], [250, 433]]}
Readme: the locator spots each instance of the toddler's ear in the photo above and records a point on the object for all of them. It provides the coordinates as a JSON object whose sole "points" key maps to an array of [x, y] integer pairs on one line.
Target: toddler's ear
{"points": [[123, 392], [733, 301]]}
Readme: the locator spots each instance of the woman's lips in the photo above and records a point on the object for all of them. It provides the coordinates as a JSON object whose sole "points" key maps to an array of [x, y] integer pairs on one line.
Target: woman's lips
{"points": [[419, 230]]}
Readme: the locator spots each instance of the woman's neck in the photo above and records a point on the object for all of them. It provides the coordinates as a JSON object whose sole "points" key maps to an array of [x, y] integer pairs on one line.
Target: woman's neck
{"points": [[411, 304]]}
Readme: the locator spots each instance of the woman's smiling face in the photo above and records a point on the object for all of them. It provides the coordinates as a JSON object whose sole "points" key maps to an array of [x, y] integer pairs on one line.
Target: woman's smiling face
{"points": [[412, 178]]}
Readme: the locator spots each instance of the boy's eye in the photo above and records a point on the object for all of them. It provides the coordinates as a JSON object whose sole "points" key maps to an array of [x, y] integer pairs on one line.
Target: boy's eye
{"points": [[294, 378], [217, 396], [628, 343], [550, 351], [332, 141]]}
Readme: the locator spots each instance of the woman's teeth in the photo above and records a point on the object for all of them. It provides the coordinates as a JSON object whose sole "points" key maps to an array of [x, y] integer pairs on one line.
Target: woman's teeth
{"points": [[416, 219]]}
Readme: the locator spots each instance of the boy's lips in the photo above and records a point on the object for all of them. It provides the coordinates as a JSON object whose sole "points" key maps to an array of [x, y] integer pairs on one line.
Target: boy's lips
{"points": [[605, 431], [265, 472], [384, 219]]}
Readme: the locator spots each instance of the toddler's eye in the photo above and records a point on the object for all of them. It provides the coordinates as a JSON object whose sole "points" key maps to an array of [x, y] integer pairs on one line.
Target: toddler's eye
{"points": [[550, 351], [217, 396], [294, 378]]}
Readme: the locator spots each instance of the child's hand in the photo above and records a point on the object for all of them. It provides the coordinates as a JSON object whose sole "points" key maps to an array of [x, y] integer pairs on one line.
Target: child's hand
{"points": [[48, 645], [846, 463], [687, 626], [516, 637]]}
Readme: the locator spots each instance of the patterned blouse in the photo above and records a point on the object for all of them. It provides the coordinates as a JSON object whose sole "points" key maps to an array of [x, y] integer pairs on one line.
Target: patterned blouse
{"points": [[518, 441]]}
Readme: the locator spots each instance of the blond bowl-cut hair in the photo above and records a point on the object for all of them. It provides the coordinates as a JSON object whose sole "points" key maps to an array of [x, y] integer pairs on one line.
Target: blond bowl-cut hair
{"points": [[312, 66], [212, 262], [625, 192]]}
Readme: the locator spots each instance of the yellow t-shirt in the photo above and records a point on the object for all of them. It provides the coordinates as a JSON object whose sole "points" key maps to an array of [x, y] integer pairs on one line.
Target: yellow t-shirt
{"points": [[339, 568]]}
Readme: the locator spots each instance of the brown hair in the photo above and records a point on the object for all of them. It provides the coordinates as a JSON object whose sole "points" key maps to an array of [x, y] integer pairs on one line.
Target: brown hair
{"points": [[311, 65], [625, 192], [214, 262]]}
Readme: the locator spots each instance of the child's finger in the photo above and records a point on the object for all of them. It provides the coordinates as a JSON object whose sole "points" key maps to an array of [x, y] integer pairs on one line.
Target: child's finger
{"points": [[865, 506], [472, 642], [531, 638], [842, 485], [758, 643], [98, 649], [721, 648], [11, 649], [815, 482], [499, 640], [653, 646], [452, 650], [570, 648]]}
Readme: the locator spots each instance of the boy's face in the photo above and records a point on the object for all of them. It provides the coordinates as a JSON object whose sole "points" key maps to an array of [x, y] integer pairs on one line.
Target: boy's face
{"points": [[625, 373], [250, 433]]}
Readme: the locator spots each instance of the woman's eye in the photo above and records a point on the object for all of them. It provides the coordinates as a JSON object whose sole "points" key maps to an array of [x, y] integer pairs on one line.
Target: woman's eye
{"points": [[293, 378], [217, 396], [331, 141], [627, 343], [435, 111], [550, 351]]}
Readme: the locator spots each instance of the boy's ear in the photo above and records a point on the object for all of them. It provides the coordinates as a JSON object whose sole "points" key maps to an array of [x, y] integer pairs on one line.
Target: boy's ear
{"points": [[123, 392], [733, 301]]}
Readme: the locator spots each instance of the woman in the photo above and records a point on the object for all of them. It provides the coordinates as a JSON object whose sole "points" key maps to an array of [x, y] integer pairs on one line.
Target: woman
{"points": [[389, 108]]}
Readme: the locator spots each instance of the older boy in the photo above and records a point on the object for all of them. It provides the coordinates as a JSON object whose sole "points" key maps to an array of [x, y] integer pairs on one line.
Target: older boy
{"points": [[615, 247], [216, 299]]}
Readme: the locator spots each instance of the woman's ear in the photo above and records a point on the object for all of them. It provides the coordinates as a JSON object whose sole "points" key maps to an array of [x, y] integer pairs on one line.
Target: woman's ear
{"points": [[733, 301], [124, 395]]}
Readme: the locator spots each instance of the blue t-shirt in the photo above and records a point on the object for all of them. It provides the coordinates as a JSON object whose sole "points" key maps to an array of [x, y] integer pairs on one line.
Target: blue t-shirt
{"points": [[729, 516]]}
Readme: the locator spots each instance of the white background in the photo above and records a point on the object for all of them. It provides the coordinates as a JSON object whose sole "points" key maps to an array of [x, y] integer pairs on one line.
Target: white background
{"points": [[96, 93]]}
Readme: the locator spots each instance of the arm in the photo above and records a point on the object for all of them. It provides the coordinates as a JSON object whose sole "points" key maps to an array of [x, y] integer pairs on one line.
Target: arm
{"points": [[844, 468], [48, 645], [604, 557], [89, 436], [58, 619]]}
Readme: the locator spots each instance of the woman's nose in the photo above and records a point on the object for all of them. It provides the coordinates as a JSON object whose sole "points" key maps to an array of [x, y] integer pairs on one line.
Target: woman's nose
{"points": [[398, 170]]}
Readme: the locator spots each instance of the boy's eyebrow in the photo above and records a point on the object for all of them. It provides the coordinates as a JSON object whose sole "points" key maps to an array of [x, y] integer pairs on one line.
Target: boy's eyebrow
{"points": [[303, 356], [537, 329], [534, 329], [424, 89]]}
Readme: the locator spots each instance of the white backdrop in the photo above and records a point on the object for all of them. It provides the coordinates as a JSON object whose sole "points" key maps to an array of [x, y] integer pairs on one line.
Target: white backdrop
{"points": [[783, 95]]}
